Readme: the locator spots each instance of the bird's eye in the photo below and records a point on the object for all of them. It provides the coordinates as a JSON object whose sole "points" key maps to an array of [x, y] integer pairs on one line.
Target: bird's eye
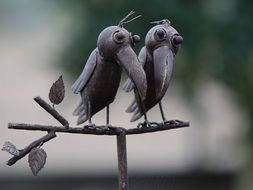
{"points": [[119, 37], [136, 38], [160, 35], [177, 40]]}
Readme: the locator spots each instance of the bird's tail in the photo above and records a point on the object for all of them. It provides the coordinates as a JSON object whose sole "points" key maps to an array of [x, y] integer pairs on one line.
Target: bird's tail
{"points": [[81, 112], [134, 108], [128, 85]]}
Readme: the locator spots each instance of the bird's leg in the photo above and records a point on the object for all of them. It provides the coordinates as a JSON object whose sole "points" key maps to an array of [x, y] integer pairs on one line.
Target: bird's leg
{"points": [[107, 117], [162, 113], [108, 125], [165, 121], [90, 125], [107, 114], [146, 123]]}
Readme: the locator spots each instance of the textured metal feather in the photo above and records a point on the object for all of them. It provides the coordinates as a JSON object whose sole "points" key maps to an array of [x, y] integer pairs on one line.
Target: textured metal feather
{"points": [[132, 106], [128, 85], [137, 115], [10, 148], [37, 159], [79, 108], [57, 91], [82, 118], [86, 74]]}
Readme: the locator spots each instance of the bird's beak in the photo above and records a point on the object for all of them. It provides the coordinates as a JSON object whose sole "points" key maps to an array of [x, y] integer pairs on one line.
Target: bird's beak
{"points": [[127, 59], [163, 65]]}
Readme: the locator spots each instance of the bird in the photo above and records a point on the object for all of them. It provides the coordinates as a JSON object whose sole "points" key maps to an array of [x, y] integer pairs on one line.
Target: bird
{"points": [[162, 42], [99, 81]]}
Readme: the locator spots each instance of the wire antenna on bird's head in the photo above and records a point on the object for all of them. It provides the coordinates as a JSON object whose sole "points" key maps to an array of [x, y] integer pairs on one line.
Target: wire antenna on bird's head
{"points": [[123, 21], [164, 21]]}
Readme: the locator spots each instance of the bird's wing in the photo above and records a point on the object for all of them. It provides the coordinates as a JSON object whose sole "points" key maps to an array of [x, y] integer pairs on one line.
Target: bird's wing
{"points": [[129, 85], [84, 77]]}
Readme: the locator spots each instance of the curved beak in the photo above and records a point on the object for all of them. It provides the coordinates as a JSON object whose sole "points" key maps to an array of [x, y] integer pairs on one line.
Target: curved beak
{"points": [[163, 66], [127, 59]]}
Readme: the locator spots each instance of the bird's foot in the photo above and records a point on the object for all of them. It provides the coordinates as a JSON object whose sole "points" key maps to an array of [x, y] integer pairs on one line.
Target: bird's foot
{"points": [[179, 121], [110, 127], [106, 127], [103, 128], [146, 123], [170, 122], [165, 121], [90, 126]]}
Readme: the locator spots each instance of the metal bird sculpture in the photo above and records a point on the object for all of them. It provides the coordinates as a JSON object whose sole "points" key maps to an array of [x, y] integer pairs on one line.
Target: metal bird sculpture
{"points": [[100, 78], [161, 45]]}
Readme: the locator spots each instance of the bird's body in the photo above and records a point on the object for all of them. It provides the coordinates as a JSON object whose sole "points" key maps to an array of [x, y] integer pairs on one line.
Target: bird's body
{"points": [[156, 58], [99, 81], [151, 98], [103, 93], [97, 95]]}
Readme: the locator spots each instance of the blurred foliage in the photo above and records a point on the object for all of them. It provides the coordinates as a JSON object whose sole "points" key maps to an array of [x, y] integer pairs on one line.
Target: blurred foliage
{"points": [[217, 39]]}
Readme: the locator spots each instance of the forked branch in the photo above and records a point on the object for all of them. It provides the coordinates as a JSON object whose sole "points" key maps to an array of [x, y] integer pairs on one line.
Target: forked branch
{"points": [[26, 150], [97, 130]]}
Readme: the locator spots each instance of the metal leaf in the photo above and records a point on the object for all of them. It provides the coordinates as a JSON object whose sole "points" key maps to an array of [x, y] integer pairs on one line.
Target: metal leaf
{"points": [[57, 91], [37, 159], [10, 148]]}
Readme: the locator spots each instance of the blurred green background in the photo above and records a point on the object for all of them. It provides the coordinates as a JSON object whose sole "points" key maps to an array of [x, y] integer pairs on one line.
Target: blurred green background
{"points": [[217, 47]]}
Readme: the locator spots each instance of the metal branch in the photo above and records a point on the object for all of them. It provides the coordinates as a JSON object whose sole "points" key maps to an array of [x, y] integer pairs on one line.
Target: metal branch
{"points": [[155, 127], [100, 130], [26, 150], [51, 111]]}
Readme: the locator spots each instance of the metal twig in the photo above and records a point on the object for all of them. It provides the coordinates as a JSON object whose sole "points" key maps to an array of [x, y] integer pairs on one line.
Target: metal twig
{"points": [[51, 111], [26, 150]]}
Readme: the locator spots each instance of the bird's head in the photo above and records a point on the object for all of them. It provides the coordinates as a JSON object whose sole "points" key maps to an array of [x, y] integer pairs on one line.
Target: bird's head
{"points": [[162, 42], [115, 45], [114, 38], [163, 34]]}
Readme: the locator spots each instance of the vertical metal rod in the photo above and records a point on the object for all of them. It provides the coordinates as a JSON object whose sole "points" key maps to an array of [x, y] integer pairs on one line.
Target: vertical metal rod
{"points": [[122, 161]]}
